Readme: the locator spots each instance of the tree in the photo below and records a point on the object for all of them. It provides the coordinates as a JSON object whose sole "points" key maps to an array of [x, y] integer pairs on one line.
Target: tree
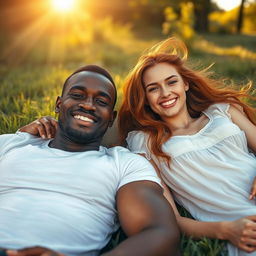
{"points": [[240, 17], [202, 9]]}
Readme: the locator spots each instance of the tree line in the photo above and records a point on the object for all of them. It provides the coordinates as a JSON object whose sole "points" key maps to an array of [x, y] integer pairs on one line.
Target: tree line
{"points": [[138, 12]]}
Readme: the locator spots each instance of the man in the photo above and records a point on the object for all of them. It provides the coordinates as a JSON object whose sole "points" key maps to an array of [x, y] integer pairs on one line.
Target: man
{"points": [[64, 194]]}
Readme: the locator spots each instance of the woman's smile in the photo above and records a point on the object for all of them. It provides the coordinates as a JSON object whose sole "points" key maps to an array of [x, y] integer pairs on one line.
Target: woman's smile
{"points": [[165, 90], [168, 103]]}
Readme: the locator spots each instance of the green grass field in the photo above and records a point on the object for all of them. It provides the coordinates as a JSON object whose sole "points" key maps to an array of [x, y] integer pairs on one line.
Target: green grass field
{"points": [[31, 80]]}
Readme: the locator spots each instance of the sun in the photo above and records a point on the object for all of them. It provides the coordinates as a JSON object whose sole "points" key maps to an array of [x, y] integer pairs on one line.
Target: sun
{"points": [[63, 5]]}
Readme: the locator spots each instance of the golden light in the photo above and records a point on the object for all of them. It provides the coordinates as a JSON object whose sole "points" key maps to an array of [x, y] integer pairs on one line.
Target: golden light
{"points": [[63, 5]]}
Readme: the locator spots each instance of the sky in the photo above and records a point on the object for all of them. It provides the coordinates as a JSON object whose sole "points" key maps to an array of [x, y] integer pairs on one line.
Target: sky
{"points": [[227, 4]]}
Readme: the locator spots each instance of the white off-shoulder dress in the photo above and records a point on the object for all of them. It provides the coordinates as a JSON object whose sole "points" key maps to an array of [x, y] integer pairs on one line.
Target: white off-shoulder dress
{"points": [[211, 171]]}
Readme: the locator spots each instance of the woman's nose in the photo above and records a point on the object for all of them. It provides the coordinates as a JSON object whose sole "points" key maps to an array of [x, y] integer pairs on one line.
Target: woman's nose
{"points": [[165, 91]]}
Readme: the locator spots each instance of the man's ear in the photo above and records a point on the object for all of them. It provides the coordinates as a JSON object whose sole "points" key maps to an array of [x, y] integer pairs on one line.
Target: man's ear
{"points": [[113, 118], [57, 104]]}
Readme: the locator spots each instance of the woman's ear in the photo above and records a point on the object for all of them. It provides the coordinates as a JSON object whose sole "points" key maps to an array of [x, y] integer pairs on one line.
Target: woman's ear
{"points": [[57, 104], [186, 86]]}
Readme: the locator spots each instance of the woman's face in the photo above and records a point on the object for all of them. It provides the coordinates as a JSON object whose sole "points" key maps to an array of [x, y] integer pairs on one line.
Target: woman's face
{"points": [[165, 90]]}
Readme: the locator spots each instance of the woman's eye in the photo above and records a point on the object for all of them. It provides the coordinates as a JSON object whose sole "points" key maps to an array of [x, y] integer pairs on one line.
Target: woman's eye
{"points": [[151, 89], [172, 82]]}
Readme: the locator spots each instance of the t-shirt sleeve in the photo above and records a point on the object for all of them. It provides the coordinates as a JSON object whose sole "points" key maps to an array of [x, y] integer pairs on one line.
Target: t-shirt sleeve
{"points": [[220, 109], [137, 142], [18, 139], [5, 139], [136, 168]]}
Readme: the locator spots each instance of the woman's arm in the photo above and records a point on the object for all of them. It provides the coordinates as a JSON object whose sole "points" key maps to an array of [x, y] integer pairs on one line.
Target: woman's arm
{"points": [[241, 232], [242, 121]]}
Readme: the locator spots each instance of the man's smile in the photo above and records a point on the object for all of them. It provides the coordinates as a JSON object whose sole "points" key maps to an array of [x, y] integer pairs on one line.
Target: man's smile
{"points": [[83, 118]]}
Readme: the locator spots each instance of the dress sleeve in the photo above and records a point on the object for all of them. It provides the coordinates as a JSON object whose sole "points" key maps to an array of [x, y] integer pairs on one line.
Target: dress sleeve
{"points": [[220, 109], [137, 142]]}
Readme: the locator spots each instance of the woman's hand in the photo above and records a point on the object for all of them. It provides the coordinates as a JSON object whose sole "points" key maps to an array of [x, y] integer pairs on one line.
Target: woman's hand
{"points": [[44, 127], [253, 190], [241, 233]]}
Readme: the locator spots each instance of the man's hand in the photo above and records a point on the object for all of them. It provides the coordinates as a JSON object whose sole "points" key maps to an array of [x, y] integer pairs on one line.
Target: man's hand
{"points": [[44, 127], [33, 251]]}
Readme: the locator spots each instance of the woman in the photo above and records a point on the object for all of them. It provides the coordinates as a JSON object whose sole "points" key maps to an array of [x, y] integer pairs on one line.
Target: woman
{"points": [[196, 133], [192, 133]]}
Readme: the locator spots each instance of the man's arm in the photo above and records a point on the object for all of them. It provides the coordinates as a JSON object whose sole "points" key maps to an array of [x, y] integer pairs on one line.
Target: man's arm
{"points": [[147, 220]]}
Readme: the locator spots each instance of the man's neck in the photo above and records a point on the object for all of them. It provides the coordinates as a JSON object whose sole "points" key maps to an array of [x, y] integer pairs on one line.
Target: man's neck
{"points": [[66, 144]]}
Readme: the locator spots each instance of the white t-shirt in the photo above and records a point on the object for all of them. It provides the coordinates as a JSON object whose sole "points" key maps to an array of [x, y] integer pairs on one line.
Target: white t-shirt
{"points": [[62, 200], [211, 171]]}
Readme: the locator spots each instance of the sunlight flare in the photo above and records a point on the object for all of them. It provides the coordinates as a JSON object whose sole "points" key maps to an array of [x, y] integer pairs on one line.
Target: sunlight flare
{"points": [[63, 5]]}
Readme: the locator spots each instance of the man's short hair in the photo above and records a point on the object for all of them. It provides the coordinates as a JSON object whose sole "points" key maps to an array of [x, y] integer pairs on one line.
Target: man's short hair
{"points": [[95, 69]]}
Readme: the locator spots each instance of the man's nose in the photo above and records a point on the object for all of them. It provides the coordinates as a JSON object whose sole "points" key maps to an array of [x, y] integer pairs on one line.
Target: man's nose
{"points": [[87, 104]]}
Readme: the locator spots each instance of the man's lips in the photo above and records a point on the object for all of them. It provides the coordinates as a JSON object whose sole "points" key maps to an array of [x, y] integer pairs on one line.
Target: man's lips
{"points": [[168, 103], [84, 118]]}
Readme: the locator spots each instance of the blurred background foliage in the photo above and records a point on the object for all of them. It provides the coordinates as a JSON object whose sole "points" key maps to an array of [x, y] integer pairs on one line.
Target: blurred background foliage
{"points": [[41, 44], [35, 32]]}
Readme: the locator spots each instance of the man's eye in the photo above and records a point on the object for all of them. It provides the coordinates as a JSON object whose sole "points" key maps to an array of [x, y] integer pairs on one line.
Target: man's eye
{"points": [[76, 95], [102, 102]]}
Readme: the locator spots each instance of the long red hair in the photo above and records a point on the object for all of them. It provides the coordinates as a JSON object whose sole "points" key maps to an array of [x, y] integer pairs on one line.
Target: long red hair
{"points": [[203, 91]]}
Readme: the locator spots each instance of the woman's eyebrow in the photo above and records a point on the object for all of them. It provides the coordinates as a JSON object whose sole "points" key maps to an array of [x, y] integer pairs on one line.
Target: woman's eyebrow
{"points": [[169, 77]]}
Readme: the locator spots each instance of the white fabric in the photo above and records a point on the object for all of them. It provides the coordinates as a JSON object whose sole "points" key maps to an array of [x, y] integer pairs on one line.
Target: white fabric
{"points": [[211, 171], [62, 200]]}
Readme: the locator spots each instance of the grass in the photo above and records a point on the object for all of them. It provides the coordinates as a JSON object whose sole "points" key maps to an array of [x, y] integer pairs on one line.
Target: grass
{"points": [[233, 56], [29, 85], [200, 247]]}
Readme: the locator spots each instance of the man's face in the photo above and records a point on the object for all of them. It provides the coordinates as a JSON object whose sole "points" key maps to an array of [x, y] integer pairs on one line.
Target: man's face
{"points": [[86, 107]]}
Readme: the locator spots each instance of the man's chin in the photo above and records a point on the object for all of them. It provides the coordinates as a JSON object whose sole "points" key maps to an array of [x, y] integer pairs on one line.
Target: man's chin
{"points": [[83, 135], [80, 137]]}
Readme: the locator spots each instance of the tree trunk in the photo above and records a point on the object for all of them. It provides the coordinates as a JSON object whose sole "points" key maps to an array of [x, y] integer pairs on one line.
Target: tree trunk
{"points": [[202, 9], [240, 17]]}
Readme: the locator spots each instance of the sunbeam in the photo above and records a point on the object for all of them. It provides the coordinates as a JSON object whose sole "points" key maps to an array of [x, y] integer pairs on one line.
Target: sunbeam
{"points": [[63, 5]]}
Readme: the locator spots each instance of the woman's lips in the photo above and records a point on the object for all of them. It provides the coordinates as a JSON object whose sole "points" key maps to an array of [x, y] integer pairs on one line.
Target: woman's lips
{"points": [[168, 103]]}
